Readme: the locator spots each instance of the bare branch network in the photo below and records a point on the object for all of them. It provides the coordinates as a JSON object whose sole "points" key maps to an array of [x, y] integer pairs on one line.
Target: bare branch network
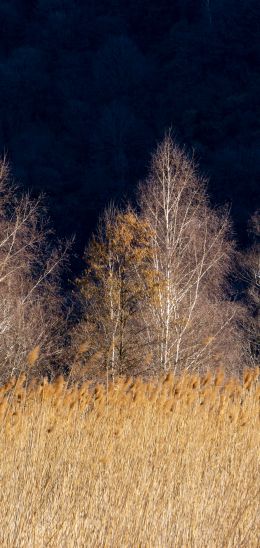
{"points": [[31, 306], [156, 284]]}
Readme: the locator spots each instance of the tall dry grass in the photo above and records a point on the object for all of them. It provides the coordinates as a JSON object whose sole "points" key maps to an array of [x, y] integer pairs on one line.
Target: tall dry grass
{"points": [[172, 463]]}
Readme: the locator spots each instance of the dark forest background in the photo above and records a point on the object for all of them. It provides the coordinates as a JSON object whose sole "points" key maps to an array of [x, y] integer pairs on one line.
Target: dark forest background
{"points": [[87, 89]]}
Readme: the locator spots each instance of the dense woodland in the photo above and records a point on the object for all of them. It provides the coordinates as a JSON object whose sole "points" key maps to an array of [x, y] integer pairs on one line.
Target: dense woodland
{"points": [[87, 89], [170, 279]]}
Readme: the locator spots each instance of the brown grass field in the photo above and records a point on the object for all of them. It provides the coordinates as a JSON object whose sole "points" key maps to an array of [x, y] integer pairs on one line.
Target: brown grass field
{"points": [[170, 463]]}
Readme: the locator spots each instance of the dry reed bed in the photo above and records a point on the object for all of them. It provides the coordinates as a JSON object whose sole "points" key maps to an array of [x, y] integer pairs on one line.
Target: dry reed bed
{"points": [[133, 464]]}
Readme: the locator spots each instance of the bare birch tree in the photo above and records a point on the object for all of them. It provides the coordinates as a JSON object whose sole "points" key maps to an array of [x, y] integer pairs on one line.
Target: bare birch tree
{"points": [[30, 303], [192, 317]]}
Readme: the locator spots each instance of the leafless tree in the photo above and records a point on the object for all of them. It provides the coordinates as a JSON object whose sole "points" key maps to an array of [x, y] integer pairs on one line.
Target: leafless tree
{"points": [[250, 269], [192, 318], [31, 312]]}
